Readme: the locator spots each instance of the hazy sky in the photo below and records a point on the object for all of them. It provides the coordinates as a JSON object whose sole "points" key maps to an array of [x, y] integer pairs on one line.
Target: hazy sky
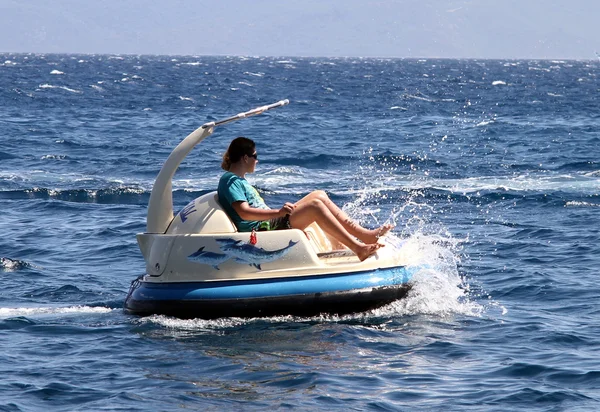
{"points": [[551, 29]]}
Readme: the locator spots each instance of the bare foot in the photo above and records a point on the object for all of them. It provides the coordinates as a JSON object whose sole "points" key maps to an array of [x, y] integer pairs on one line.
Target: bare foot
{"points": [[384, 229], [375, 234], [364, 251]]}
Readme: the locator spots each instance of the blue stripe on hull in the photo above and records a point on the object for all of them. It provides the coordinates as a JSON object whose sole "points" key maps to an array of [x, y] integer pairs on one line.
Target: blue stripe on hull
{"points": [[247, 289]]}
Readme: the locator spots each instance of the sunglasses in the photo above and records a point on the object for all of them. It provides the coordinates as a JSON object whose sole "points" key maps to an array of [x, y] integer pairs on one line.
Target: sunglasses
{"points": [[254, 155]]}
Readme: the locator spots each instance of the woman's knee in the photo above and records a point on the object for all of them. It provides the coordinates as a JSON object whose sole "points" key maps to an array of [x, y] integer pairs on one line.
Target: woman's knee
{"points": [[312, 204], [321, 195], [307, 212], [317, 202]]}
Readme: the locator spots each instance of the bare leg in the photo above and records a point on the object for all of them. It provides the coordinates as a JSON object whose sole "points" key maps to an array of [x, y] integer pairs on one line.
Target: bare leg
{"points": [[314, 210], [366, 235]]}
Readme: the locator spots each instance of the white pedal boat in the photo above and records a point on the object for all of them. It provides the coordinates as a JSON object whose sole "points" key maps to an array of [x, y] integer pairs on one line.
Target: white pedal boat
{"points": [[199, 266]]}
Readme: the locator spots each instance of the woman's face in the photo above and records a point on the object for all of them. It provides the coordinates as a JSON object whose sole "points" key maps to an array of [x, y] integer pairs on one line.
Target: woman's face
{"points": [[252, 161]]}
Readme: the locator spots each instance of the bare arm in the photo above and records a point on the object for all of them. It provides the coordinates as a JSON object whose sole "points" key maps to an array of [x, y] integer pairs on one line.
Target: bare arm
{"points": [[246, 212]]}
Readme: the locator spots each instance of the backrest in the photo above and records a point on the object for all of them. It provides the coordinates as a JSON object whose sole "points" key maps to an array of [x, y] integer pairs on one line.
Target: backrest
{"points": [[203, 215]]}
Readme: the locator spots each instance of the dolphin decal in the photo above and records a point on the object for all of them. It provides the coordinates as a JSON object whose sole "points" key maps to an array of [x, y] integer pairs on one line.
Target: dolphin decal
{"points": [[252, 255], [208, 258]]}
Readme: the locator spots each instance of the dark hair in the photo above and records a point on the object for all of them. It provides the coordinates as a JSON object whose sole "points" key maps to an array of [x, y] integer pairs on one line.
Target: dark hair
{"points": [[238, 147]]}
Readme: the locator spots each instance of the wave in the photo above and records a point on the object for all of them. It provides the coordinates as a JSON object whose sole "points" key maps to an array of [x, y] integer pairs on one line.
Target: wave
{"points": [[518, 185], [403, 190], [425, 200], [425, 98], [485, 123], [68, 143], [10, 265], [122, 195], [581, 204], [50, 310], [418, 97], [284, 170], [299, 177], [54, 157], [60, 292], [50, 86]]}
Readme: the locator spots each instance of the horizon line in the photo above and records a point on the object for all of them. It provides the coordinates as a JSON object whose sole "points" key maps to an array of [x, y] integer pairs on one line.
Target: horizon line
{"points": [[301, 56]]}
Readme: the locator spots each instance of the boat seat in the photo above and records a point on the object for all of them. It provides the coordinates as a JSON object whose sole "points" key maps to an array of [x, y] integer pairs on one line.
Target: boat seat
{"points": [[221, 215], [203, 215], [321, 242]]}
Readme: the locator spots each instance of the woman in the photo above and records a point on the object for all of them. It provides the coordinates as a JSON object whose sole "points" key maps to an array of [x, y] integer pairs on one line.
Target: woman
{"points": [[249, 212]]}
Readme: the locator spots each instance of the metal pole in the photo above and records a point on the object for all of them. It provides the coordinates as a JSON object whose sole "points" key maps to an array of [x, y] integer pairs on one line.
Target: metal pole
{"points": [[243, 115]]}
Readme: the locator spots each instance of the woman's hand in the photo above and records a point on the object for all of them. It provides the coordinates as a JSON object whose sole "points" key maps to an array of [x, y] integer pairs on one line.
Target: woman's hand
{"points": [[246, 212], [287, 209]]}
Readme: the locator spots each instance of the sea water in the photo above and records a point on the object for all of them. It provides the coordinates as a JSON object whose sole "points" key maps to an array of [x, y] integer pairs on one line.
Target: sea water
{"points": [[489, 170]]}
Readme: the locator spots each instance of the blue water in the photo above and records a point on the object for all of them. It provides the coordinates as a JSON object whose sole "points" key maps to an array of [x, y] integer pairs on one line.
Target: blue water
{"points": [[490, 169]]}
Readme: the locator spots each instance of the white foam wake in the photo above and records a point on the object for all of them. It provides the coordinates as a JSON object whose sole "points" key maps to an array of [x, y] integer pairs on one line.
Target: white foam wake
{"points": [[49, 310], [50, 86], [581, 204], [195, 324]]}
